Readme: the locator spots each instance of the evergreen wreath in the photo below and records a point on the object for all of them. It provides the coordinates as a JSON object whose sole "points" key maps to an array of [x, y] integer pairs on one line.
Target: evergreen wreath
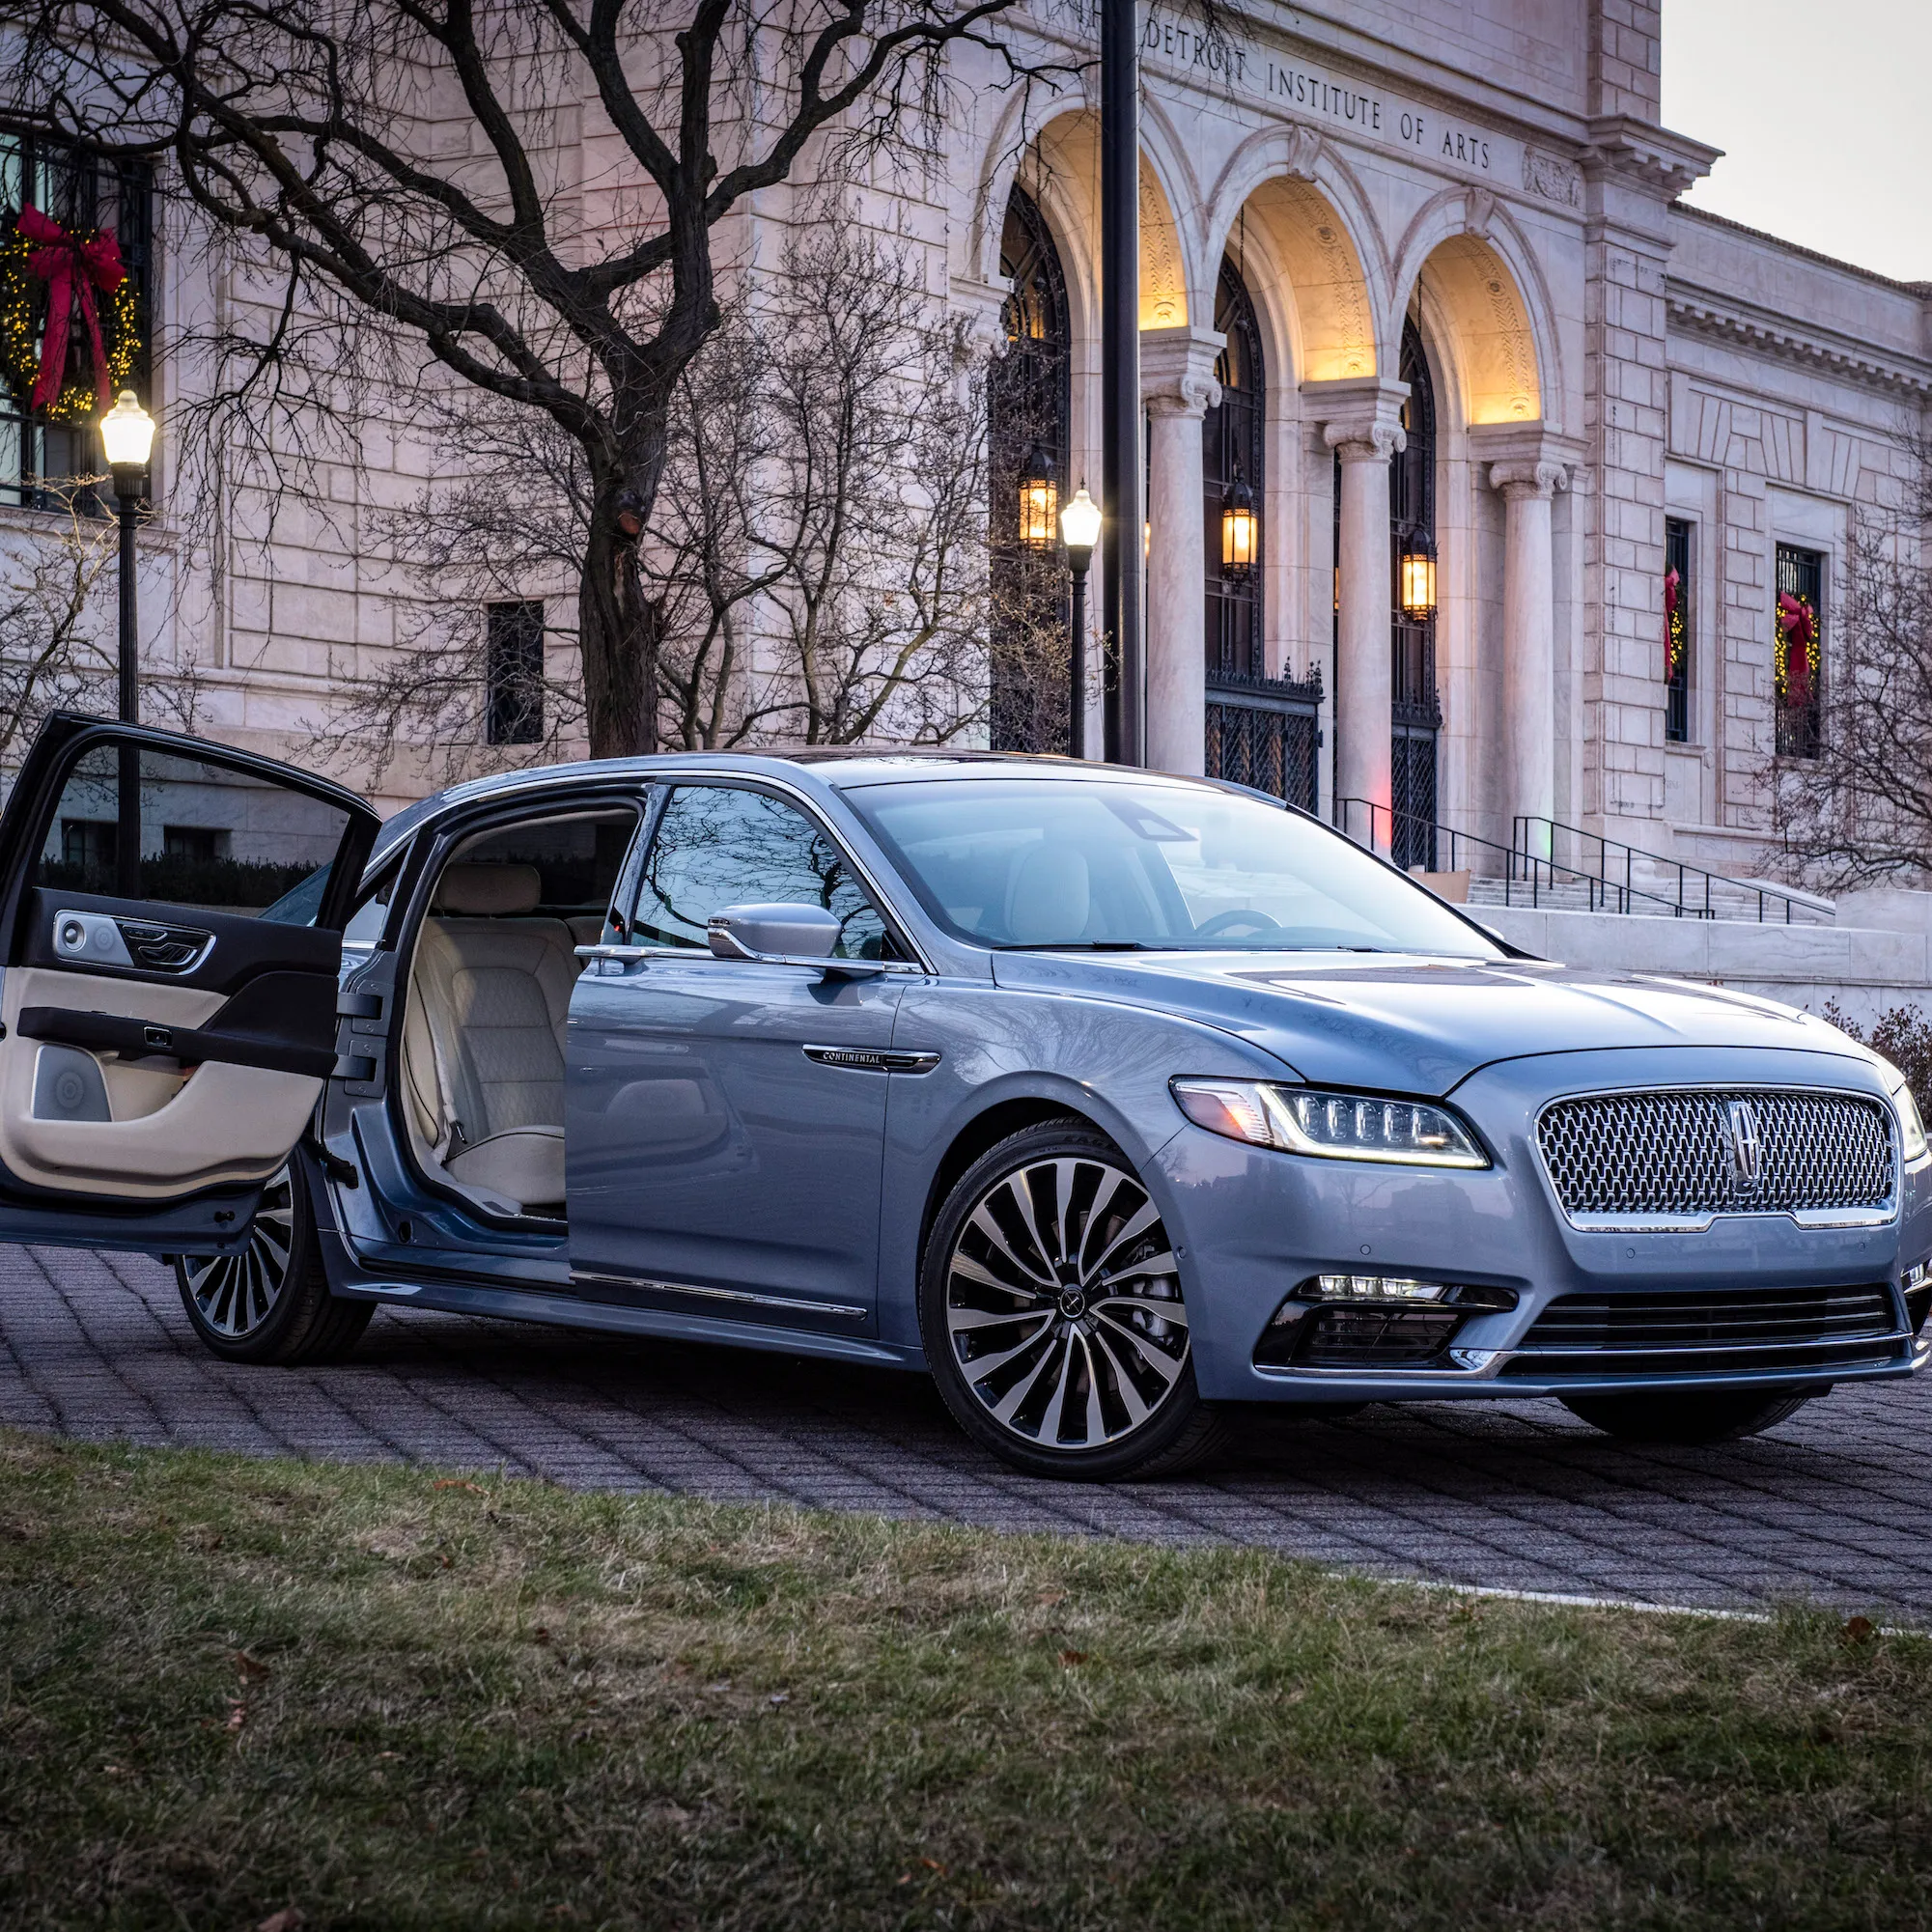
{"points": [[71, 277]]}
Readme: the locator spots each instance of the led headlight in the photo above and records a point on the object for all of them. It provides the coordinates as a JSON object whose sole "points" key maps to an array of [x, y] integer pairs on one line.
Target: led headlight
{"points": [[1911, 1128], [1334, 1126]]}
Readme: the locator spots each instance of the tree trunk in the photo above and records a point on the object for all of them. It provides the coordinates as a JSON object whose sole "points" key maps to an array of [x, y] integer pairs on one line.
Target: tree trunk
{"points": [[620, 627]]}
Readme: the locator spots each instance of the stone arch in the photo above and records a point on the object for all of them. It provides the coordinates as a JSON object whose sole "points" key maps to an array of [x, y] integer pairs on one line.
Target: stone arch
{"points": [[1287, 190], [1494, 328], [1059, 166]]}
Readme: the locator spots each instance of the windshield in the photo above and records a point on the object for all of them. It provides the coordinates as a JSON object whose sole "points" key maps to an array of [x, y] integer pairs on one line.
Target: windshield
{"points": [[1049, 862]]}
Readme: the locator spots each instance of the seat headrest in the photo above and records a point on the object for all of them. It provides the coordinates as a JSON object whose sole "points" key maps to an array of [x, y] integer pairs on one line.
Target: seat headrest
{"points": [[1049, 895], [489, 891]]}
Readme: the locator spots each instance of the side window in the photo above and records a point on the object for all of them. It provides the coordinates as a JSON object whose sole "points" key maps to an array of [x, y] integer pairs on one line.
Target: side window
{"points": [[717, 847], [139, 823]]}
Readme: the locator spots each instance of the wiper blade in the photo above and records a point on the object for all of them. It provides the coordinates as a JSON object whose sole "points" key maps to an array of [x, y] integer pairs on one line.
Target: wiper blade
{"points": [[1085, 946]]}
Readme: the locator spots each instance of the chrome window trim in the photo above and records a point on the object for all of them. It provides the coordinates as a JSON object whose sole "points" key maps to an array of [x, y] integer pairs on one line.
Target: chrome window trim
{"points": [[1813, 1219]]}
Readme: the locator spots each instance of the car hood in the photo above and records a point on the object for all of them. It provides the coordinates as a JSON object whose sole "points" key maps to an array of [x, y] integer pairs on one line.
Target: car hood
{"points": [[1408, 1023]]}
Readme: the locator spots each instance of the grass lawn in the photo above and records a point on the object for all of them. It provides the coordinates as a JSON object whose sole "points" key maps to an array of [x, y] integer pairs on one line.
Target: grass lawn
{"points": [[233, 1689]]}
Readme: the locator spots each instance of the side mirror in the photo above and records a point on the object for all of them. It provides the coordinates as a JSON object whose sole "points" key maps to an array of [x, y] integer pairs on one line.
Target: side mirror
{"points": [[781, 935]]}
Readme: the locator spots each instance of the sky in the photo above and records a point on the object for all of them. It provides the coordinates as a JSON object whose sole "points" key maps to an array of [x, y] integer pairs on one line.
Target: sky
{"points": [[1820, 107]]}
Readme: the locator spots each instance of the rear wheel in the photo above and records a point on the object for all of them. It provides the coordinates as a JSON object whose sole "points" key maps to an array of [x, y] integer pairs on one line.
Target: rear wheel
{"points": [[1714, 1417], [1052, 1317], [269, 1301]]}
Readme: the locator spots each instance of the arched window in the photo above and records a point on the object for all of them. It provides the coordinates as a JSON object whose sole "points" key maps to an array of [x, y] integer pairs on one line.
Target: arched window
{"points": [[1233, 455], [1028, 398], [1417, 714]]}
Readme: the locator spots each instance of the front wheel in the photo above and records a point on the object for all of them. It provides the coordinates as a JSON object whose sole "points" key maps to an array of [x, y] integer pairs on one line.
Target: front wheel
{"points": [[1719, 1416], [269, 1301], [1050, 1306]]}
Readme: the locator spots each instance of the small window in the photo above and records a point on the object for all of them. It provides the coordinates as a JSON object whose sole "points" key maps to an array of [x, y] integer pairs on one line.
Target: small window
{"points": [[513, 711], [717, 847], [1798, 651], [1679, 630], [190, 832]]}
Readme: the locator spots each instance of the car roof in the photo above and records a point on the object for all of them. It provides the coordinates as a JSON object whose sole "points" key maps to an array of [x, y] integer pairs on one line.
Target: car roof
{"points": [[841, 767]]}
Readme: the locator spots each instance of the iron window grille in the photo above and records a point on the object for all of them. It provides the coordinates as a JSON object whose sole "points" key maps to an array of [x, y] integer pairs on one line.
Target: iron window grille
{"points": [[1679, 628], [1798, 700], [1029, 400], [39, 460]]}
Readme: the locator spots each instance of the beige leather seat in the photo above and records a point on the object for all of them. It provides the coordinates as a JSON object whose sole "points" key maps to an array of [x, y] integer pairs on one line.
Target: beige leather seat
{"points": [[484, 1038]]}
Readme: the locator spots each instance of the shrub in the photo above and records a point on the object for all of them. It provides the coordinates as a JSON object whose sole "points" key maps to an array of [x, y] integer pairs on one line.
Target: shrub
{"points": [[1904, 1036]]}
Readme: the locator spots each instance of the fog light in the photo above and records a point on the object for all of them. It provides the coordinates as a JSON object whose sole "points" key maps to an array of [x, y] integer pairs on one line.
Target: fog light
{"points": [[1377, 1288], [1916, 1276]]}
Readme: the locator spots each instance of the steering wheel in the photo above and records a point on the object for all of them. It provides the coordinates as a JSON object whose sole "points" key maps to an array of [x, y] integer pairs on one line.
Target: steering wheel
{"points": [[1235, 918]]}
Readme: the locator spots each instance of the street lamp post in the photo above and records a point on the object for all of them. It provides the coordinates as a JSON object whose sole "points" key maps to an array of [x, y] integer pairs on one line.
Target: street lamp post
{"points": [[127, 438], [1126, 668], [1079, 531]]}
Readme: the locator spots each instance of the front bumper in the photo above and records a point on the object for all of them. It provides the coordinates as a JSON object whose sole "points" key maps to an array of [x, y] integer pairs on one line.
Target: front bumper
{"points": [[1251, 1225]]}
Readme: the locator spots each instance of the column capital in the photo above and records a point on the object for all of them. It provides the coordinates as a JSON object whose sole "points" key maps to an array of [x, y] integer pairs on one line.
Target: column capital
{"points": [[979, 320], [1361, 416], [1525, 459], [1177, 370]]}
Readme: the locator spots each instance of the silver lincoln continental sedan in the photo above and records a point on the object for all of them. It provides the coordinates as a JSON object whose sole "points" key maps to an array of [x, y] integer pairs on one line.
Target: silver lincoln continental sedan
{"points": [[1113, 1100]]}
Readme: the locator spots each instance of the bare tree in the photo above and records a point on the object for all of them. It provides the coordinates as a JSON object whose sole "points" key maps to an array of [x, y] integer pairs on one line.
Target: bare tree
{"points": [[817, 550], [56, 650], [394, 177], [1860, 810]]}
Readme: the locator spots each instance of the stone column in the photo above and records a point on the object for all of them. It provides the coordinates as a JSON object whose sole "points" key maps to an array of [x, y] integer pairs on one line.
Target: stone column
{"points": [[1362, 424], [1177, 380], [1527, 466], [1528, 643]]}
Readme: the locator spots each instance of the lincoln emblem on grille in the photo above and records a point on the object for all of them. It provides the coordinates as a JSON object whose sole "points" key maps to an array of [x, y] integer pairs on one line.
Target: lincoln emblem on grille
{"points": [[1746, 1155]]}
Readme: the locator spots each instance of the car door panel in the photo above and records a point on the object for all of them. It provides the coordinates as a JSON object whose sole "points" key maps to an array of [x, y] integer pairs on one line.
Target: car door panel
{"points": [[165, 1044], [708, 1153], [705, 1145]]}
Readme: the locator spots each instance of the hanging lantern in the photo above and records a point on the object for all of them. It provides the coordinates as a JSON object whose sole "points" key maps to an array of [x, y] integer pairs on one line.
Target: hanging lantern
{"points": [[1039, 503], [1241, 530], [1418, 578]]}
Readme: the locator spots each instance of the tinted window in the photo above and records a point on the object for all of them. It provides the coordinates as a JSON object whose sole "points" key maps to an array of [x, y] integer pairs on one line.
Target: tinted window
{"points": [[192, 833], [717, 847], [1019, 862]]}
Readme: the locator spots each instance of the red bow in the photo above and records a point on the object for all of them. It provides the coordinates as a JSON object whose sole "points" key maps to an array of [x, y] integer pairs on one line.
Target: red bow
{"points": [[1801, 631], [69, 263]]}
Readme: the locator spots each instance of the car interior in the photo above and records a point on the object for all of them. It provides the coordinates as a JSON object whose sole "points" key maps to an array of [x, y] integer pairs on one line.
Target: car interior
{"points": [[489, 997]]}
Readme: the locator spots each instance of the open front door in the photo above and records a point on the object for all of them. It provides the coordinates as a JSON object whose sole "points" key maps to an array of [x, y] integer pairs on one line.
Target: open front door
{"points": [[172, 916]]}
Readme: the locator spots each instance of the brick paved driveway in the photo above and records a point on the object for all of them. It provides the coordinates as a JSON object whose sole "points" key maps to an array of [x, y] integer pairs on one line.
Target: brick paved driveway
{"points": [[1830, 1505]]}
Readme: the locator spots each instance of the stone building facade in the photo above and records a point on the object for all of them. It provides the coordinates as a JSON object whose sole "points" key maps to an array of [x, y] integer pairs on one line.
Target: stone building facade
{"points": [[1415, 275]]}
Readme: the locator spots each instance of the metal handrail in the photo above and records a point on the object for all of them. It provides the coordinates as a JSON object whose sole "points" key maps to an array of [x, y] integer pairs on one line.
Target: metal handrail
{"points": [[1526, 875], [1519, 836]]}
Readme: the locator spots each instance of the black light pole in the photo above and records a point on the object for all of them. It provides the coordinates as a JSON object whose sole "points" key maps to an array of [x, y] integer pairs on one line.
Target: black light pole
{"points": [[128, 436], [1120, 377], [1079, 531]]}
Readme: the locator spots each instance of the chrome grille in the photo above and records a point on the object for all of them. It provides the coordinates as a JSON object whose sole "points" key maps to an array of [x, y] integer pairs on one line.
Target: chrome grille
{"points": [[1701, 1151]]}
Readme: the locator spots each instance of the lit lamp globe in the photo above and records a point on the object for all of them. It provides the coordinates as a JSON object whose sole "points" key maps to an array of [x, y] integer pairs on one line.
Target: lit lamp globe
{"points": [[1241, 530], [1079, 527], [1418, 580], [127, 434]]}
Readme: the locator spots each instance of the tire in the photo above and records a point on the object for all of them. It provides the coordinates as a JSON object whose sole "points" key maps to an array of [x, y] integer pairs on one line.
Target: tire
{"points": [[270, 1302], [1070, 1385], [1717, 1417]]}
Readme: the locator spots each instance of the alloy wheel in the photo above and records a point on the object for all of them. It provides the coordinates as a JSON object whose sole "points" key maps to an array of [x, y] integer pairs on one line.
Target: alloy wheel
{"points": [[235, 1293], [1063, 1305]]}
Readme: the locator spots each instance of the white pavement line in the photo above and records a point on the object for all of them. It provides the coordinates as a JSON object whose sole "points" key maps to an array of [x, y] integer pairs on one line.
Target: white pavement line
{"points": [[1566, 1601]]}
